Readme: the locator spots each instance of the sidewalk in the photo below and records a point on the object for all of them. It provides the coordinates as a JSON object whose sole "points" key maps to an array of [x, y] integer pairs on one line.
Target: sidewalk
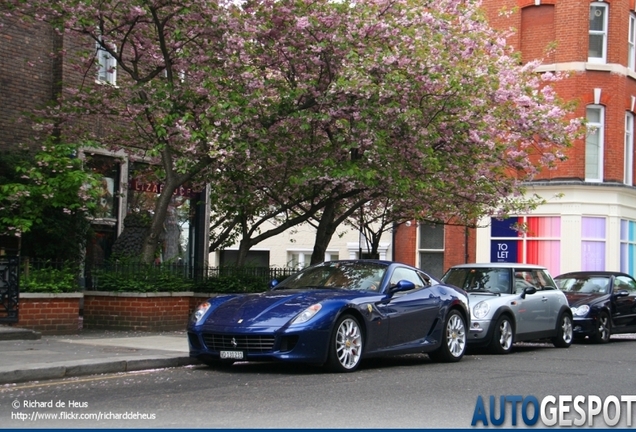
{"points": [[27, 356]]}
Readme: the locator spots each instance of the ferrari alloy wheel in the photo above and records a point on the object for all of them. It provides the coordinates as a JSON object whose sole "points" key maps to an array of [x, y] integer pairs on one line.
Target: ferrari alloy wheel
{"points": [[503, 338], [564, 335], [453, 344], [345, 350], [603, 331]]}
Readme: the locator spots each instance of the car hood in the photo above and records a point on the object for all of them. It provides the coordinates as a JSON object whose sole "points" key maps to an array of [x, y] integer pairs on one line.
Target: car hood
{"points": [[579, 299], [476, 297], [272, 308]]}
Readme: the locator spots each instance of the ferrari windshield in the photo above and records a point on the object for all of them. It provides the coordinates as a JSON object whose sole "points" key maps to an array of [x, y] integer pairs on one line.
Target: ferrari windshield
{"points": [[354, 275]]}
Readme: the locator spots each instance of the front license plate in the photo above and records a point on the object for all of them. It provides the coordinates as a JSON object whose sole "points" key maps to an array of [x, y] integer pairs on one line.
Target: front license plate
{"points": [[236, 355]]}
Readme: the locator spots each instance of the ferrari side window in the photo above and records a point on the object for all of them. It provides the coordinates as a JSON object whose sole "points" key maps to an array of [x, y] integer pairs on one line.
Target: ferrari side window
{"points": [[406, 274]]}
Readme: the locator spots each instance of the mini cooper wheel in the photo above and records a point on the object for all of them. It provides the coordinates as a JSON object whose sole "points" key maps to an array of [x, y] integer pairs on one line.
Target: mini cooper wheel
{"points": [[564, 335], [345, 347], [503, 337], [453, 344], [603, 329]]}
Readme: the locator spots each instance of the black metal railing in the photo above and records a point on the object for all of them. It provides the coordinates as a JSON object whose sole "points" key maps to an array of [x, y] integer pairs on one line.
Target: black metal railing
{"points": [[63, 276], [9, 288]]}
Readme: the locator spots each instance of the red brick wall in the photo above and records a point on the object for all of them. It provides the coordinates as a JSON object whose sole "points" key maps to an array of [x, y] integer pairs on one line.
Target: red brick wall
{"points": [[537, 28], [28, 76], [144, 312], [459, 245], [405, 240], [570, 32], [49, 315]]}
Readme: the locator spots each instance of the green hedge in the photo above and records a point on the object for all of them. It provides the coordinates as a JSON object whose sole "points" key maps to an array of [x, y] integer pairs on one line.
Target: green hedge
{"points": [[61, 277], [173, 279], [49, 280]]}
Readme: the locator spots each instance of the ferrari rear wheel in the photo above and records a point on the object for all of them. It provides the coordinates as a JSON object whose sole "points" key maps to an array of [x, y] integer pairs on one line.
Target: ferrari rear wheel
{"points": [[453, 344], [345, 347]]}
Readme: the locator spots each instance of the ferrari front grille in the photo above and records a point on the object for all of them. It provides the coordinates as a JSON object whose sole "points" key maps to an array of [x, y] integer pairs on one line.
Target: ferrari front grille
{"points": [[249, 343]]}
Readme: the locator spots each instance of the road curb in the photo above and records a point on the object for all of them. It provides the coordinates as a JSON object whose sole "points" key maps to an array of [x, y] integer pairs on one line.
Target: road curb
{"points": [[92, 368]]}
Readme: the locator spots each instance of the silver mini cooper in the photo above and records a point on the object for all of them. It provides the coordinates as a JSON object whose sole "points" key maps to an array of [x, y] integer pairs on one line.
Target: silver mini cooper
{"points": [[512, 302]]}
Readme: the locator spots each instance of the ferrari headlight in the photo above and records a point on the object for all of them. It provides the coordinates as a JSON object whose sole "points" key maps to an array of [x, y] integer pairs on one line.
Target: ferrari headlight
{"points": [[481, 309], [580, 311], [307, 314], [199, 312]]}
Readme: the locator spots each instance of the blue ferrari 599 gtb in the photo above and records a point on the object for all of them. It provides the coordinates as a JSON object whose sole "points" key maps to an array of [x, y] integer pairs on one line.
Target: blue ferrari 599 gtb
{"points": [[335, 313]]}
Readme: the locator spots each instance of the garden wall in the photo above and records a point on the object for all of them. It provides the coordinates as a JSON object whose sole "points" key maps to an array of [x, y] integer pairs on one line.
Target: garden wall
{"points": [[50, 313], [136, 311]]}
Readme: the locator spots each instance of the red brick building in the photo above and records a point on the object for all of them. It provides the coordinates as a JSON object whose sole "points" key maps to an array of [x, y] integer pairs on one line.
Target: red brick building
{"points": [[32, 74], [589, 219]]}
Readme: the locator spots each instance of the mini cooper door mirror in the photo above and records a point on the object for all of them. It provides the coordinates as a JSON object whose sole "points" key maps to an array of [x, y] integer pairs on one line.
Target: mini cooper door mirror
{"points": [[528, 290]]}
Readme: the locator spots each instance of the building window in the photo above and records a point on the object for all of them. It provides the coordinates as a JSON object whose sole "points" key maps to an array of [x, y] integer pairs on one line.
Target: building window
{"points": [[597, 50], [628, 175], [431, 248], [631, 43], [527, 239], [301, 259], [628, 247], [107, 168], [593, 240], [298, 260], [107, 72], [594, 143]]}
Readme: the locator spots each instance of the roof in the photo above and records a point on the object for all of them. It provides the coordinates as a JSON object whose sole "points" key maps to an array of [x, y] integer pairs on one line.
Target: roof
{"points": [[593, 273], [500, 265]]}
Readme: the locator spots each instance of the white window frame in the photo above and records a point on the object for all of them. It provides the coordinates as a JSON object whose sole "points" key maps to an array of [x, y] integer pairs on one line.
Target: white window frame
{"points": [[602, 32], [298, 259], [631, 42], [599, 129], [107, 73], [628, 172]]}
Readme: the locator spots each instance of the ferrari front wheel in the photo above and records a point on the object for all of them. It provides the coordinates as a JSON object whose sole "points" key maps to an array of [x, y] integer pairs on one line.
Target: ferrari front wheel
{"points": [[453, 344], [345, 347]]}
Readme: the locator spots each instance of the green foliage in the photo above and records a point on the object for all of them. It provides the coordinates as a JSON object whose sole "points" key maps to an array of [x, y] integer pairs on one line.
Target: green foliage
{"points": [[57, 236], [141, 279], [31, 185], [233, 284], [135, 277], [49, 279]]}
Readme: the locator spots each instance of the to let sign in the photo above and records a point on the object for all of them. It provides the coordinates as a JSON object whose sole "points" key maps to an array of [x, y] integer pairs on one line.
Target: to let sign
{"points": [[503, 250]]}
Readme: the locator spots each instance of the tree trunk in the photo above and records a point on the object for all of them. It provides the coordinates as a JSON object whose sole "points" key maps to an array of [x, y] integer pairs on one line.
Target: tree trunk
{"points": [[152, 240], [245, 244], [324, 233]]}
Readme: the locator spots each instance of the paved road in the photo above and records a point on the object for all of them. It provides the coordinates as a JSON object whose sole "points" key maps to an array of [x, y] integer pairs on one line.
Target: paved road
{"points": [[403, 392]]}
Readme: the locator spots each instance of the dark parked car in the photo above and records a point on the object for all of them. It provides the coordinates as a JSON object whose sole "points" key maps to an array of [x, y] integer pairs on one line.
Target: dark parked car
{"points": [[335, 313], [603, 303]]}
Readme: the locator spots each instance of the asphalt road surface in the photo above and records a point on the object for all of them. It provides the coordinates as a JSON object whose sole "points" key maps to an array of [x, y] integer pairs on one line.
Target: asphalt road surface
{"points": [[400, 392]]}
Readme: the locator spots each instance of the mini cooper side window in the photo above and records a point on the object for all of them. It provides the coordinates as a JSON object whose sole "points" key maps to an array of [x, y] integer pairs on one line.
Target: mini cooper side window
{"points": [[538, 279]]}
